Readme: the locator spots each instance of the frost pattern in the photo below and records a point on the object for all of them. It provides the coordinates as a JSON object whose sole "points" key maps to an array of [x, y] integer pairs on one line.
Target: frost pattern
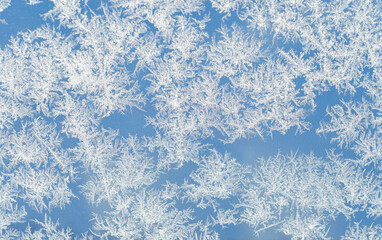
{"points": [[204, 74], [4, 4]]}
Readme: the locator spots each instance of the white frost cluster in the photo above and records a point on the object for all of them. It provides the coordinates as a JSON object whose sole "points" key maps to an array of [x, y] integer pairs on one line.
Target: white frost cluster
{"points": [[203, 74]]}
